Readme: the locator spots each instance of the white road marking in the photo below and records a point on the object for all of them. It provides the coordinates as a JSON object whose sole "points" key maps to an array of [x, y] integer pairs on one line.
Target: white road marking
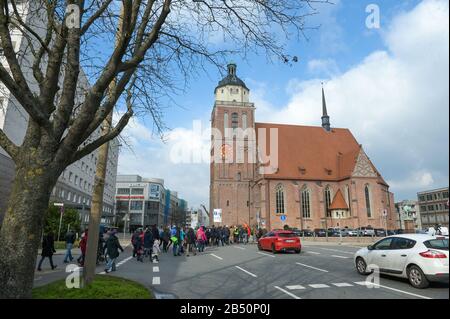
{"points": [[364, 283], [216, 256], [340, 251], [261, 253], [156, 281], [319, 286], [312, 252], [155, 269], [342, 284], [337, 256], [253, 275], [287, 293], [242, 248], [295, 287], [312, 267]]}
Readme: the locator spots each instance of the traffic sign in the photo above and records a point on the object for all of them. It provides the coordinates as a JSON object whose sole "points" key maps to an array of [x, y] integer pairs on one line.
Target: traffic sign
{"points": [[283, 218]]}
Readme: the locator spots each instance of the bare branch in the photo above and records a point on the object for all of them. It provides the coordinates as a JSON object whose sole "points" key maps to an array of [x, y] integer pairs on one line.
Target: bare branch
{"points": [[8, 145]]}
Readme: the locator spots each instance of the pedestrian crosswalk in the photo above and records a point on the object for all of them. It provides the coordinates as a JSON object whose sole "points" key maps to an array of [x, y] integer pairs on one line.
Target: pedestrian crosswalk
{"points": [[320, 286]]}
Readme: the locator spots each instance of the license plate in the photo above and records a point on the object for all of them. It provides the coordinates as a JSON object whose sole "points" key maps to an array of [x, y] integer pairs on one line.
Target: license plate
{"points": [[290, 241]]}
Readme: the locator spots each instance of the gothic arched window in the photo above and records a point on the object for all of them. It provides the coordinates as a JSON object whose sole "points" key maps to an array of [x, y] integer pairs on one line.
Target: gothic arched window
{"points": [[234, 120], [306, 206], [244, 121], [279, 199], [367, 196], [327, 201], [348, 199], [225, 120]]}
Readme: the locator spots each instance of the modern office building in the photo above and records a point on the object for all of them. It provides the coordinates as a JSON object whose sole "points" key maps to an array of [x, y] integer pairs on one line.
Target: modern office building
{"points": [[139, 201], [408, 215], [75, 185], [433, 205]]}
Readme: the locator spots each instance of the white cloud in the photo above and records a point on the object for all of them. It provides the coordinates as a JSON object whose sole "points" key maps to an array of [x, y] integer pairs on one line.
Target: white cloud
{"points": [[416, 181]]}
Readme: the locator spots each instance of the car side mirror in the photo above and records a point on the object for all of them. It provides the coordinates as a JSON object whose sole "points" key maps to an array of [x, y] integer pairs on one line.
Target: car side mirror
{"points": [[370, 247]]}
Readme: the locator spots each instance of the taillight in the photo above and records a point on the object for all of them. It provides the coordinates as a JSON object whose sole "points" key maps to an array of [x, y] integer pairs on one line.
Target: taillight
{"points": [[432, 254]]}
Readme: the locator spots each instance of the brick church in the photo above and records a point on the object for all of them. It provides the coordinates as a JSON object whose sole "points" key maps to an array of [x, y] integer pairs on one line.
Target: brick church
{"points": [[322, 177]]}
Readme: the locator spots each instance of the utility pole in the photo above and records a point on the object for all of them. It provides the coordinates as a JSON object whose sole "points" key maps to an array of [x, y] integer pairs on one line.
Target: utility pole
{"points": [[99, 186]]}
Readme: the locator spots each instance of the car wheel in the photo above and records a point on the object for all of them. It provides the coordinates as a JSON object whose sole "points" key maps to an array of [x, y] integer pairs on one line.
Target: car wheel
{"points": [[298, 251], [361, 266], [274, 251], [259, 246], [417, 278]]}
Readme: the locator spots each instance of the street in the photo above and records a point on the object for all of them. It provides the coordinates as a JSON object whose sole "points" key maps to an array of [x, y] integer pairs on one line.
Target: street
{"points": [[321, 271]]}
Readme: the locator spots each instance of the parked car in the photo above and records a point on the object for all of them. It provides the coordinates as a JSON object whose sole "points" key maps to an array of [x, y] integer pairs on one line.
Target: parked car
{"points": [[320, 232], [366, 231], [334, 232], [349, 232], [380, 232], [297, 232], [307, 232], [391, 232], [419, 258], [280, 240]]}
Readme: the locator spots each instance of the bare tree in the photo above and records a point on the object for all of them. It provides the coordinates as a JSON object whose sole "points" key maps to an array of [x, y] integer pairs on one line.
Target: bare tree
{"points": [[159, 40]]}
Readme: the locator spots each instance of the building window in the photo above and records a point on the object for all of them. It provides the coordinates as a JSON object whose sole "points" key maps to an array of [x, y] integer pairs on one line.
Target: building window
{"points": [[136, 205], [367, 196], [238, 176], [234, 120], [327, 201], [137, 191], [244, 121], [306, 206], [279, 192], [348, 199], [228, 203], [123, 191], [76, 180], [70, 177], [225, 120]]}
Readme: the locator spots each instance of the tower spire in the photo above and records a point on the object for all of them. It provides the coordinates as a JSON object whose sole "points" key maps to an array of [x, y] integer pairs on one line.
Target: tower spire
{"points": [[325, 117]]}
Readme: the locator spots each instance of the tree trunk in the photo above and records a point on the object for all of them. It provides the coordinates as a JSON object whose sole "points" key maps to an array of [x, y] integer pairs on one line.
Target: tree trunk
{"points": [[22, 227], [97, 207]]}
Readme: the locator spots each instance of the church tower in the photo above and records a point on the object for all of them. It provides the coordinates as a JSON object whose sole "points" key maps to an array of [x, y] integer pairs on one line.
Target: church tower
{"points": [[231, 171]]}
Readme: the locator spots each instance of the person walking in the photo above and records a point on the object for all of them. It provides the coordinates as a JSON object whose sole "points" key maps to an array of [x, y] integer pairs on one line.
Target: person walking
{"points": [[156, 250], [181, 239], [112, 250], [70, 240], [165, 239], [140, 245], [201, 239], [148, 243], [190, 240], [83, 245], [134, 239], [175, 239], [48, 249]]}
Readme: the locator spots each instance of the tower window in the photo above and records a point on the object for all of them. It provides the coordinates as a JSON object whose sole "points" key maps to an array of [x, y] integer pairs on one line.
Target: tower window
{"points": [[234, 120], [244, 121], [225, 120], [228, 203]]}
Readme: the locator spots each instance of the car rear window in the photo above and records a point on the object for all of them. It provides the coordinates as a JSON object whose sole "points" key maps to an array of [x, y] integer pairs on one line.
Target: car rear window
{"points": [[437, 244], [287, 235]]}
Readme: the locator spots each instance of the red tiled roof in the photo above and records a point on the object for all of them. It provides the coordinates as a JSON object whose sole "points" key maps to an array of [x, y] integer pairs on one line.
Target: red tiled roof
{"points": [[338, 201], [311, 153]]}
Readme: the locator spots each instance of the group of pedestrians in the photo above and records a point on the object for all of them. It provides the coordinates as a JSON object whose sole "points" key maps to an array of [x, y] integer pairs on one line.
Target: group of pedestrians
{"points": [[146, 243]]}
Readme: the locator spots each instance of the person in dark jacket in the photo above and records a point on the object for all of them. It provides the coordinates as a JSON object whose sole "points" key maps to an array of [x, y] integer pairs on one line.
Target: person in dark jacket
{"points": [[112, 249], [134, 240], [166, 239], [148, 243], [190, 240], [70, 240], [155, 232], [48, 249]]}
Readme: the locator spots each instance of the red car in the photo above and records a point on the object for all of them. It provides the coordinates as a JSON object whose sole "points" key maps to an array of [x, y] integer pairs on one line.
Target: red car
{"points": [[280, 240]]}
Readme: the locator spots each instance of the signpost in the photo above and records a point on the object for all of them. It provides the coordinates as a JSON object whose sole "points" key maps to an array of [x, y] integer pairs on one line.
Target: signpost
{"points": [[385, 221], [61, 210]]}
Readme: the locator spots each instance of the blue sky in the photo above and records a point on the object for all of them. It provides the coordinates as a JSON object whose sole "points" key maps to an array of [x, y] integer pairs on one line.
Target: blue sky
{"points": [[389, 86]]}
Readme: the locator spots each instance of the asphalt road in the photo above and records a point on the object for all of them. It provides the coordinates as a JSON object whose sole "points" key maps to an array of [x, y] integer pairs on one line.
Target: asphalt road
{"points": [[321, 271]]}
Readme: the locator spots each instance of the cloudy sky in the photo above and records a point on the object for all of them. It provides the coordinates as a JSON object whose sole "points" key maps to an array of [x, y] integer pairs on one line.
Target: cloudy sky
{"points": [[388, 85]]}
